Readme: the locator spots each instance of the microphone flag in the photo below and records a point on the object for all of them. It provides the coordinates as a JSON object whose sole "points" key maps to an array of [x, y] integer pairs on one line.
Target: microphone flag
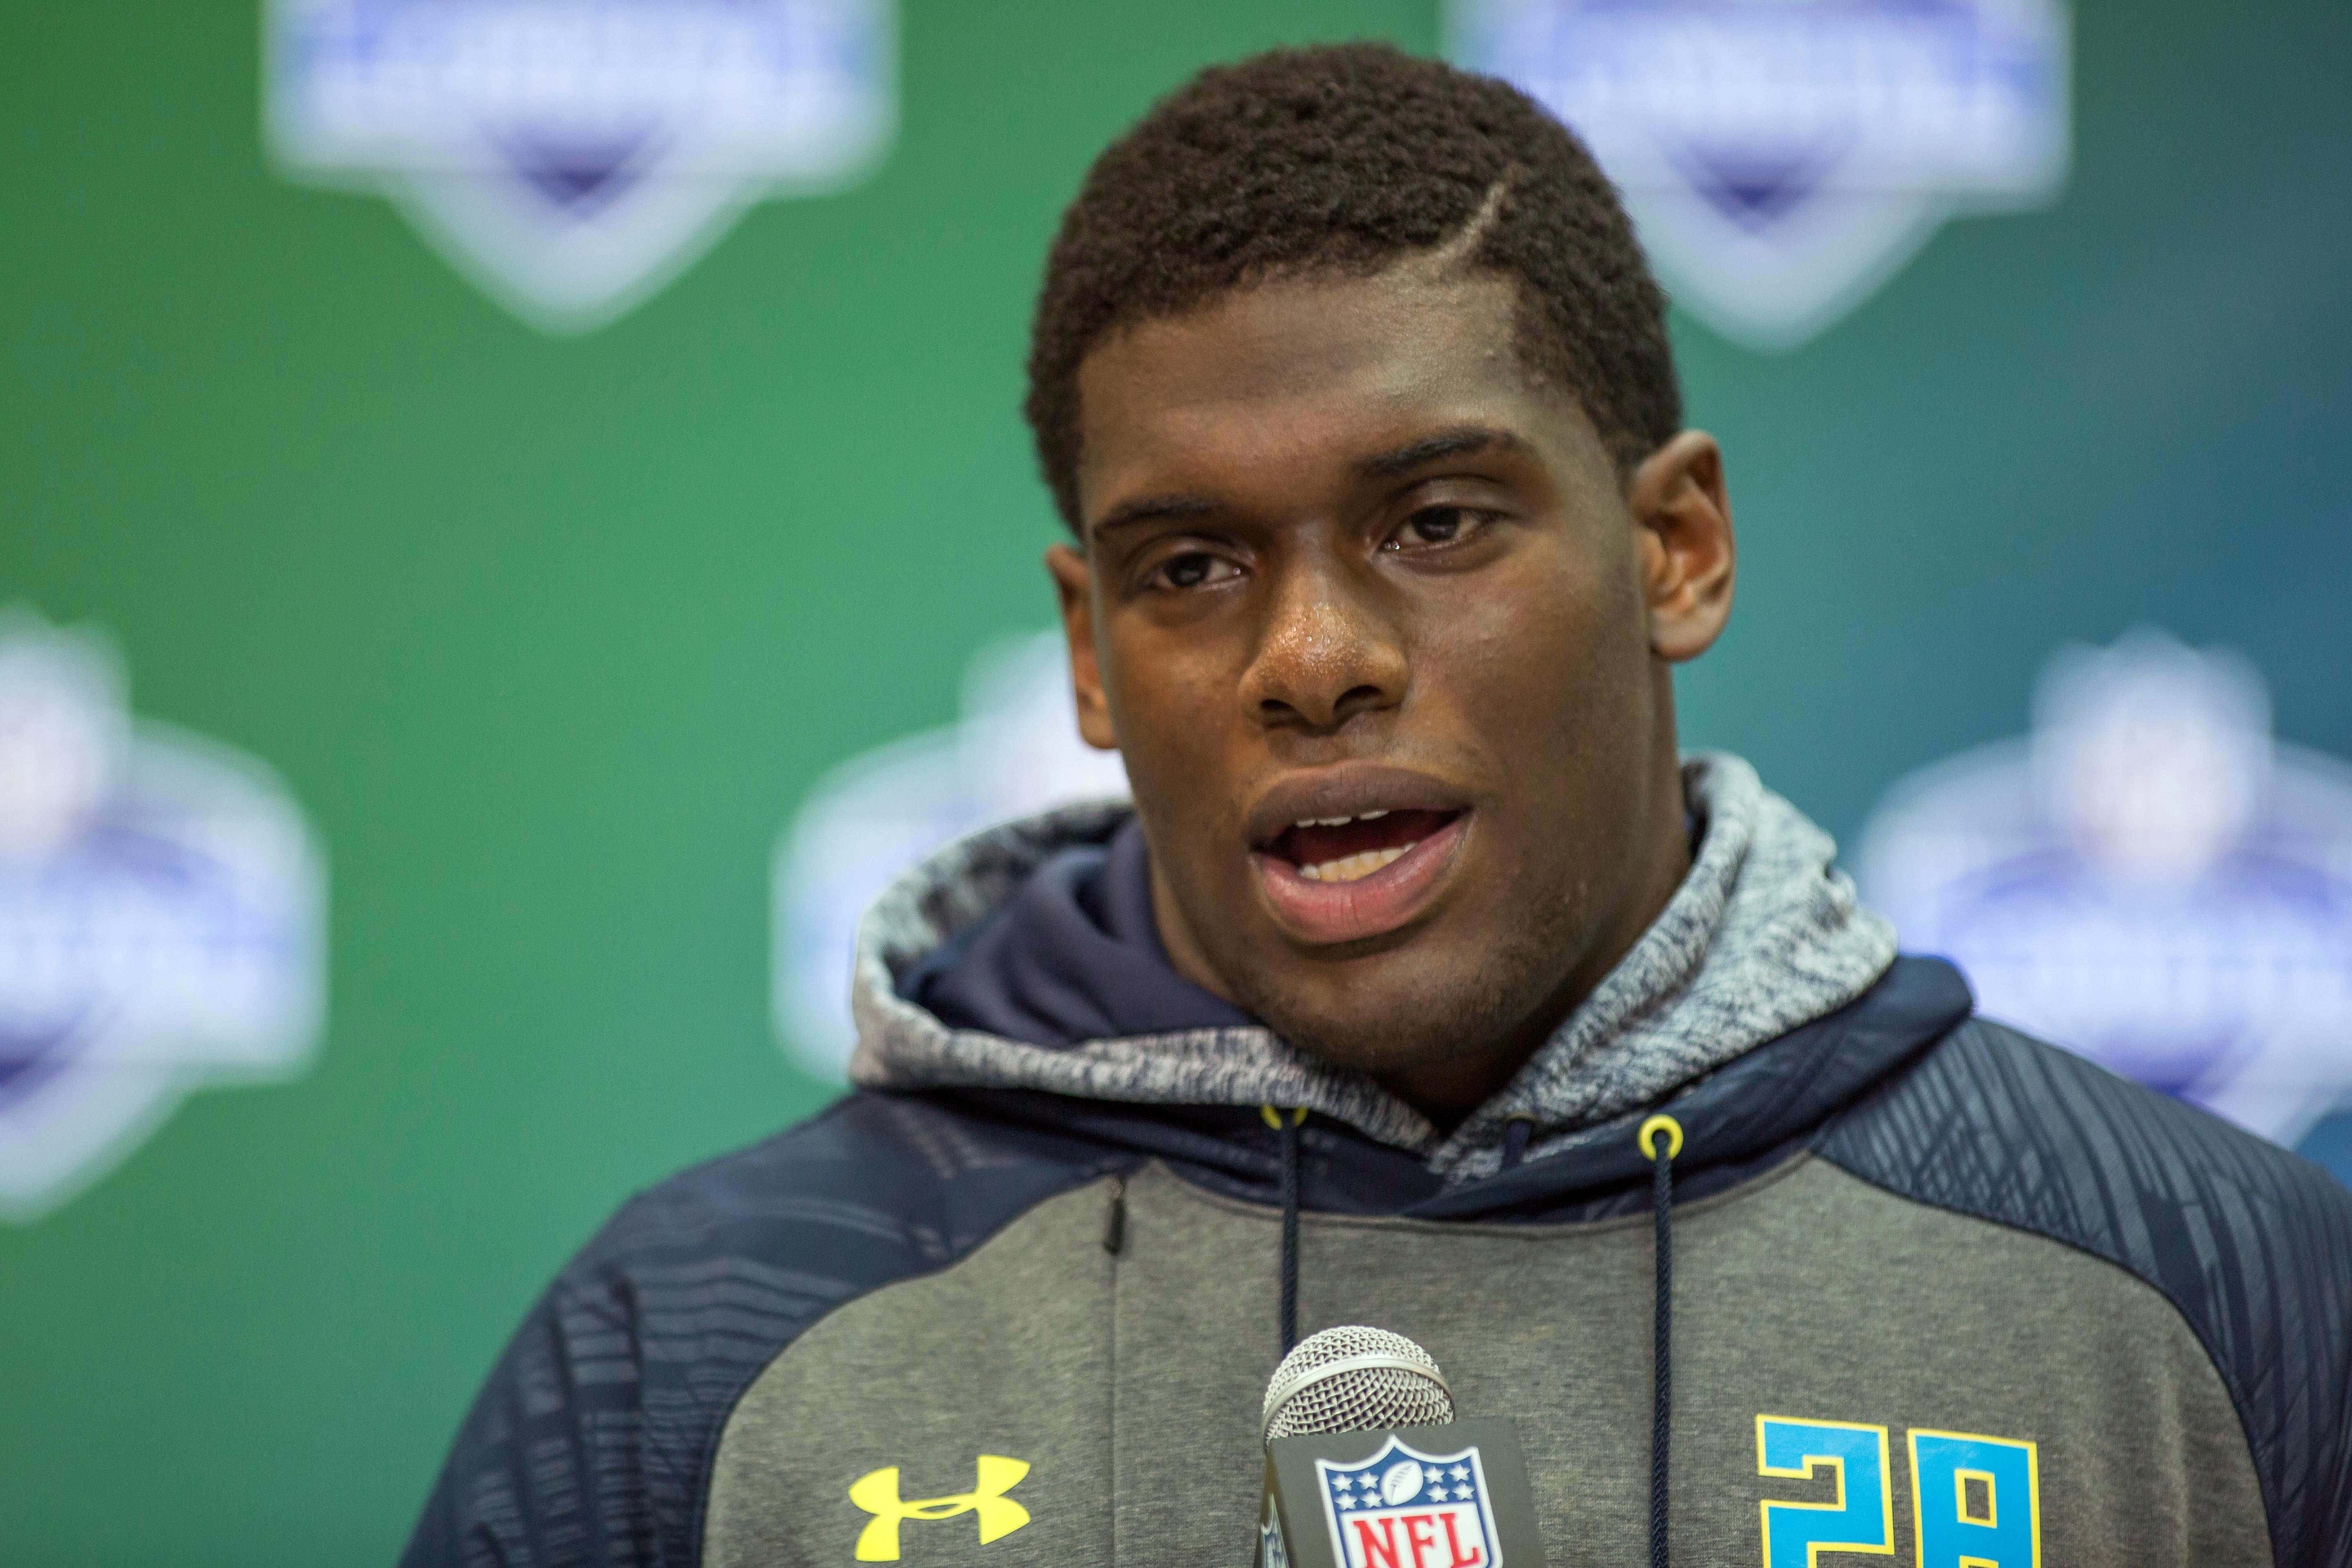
{"points": [[1450, 1496]]}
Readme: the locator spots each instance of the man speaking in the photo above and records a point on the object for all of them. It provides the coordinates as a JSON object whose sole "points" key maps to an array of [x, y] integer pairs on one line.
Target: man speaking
{"points": [[1425, 985]]}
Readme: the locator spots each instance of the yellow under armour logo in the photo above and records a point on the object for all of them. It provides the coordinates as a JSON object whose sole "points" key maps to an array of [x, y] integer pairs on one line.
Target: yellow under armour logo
{"points": [[877, 1492]]}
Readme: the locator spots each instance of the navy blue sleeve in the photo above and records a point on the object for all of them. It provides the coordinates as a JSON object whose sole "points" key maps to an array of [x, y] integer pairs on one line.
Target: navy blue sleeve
{"points": [[2252, 1245], [591, 1443]]}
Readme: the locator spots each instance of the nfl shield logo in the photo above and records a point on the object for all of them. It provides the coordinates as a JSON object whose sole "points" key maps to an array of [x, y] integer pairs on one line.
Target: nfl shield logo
{"points": [[1405, 1508], [2149, 879], [1784, 158], [1272, 1552], [161, 918], [1016, 751], [573, 155]]}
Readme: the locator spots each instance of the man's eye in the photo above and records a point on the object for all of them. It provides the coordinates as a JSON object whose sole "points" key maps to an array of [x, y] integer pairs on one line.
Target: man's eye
{"points": [[1194, 569], [1434, 525]]}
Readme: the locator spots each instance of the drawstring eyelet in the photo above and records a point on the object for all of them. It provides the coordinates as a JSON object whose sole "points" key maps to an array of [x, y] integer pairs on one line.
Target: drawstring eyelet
{"points": [[1646, 1139], [1661, 1141]]}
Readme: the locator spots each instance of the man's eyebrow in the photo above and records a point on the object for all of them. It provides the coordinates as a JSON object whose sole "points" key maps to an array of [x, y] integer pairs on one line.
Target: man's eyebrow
{"points": [[1380, 466], [1444, 444], [1152, 508]]}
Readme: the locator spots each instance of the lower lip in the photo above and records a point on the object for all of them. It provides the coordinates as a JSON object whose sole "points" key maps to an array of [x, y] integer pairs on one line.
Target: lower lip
{"points": [[1327, 912]]}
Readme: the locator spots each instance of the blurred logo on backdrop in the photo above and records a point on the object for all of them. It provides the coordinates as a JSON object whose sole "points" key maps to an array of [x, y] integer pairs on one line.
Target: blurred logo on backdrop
{"points": [[161, 918], [573, 156], [1016, 749], [2149, 879], [1784, 158]]}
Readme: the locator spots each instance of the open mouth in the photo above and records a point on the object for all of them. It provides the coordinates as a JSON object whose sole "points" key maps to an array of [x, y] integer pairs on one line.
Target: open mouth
{"points": [[1331, 880], [1350, 849]]}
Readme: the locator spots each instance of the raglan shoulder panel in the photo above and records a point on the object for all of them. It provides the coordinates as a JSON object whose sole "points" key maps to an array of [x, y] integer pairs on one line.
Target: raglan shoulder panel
{"points": [[590, 1442], [2252, 1245]]}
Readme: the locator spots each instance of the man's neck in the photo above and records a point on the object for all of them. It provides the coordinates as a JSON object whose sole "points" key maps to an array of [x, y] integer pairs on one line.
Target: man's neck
{"points": [[1448, 1091]]}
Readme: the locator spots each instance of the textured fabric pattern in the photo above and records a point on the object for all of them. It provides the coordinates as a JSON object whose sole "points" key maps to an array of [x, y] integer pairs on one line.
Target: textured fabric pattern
{"points": [[1006, 1352], [900, 1046], [1075, 954], [2252, 1245], [1763, 935], [594, 1440], [591, 1443], [1131, 1383]]}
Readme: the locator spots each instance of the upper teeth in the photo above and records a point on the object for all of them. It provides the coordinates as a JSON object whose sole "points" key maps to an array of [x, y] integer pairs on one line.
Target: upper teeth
{"points": [[1341, 821]]}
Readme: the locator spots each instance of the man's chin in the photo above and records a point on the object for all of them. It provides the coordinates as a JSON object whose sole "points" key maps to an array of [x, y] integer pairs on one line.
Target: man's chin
{"points": [[1391, 1032], [1443, 1017]]}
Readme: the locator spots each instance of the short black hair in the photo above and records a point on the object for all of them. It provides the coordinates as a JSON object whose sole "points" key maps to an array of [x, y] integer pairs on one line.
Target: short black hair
{"points": [[1346, 158]]}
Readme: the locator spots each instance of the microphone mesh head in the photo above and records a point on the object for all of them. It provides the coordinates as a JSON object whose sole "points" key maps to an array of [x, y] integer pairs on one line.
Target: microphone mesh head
{"points": [[1354, 1379]]}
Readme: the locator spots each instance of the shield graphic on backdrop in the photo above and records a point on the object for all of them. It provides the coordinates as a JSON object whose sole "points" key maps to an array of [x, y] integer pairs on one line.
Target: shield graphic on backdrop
{"points": [[571, 156], [1013, 750], [1784, 158], [161, 918], [1404, 1506], [2150, 880]]}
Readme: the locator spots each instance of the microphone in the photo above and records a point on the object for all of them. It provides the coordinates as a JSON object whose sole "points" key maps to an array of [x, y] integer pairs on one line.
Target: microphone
{"points": [[1367, 1466]]}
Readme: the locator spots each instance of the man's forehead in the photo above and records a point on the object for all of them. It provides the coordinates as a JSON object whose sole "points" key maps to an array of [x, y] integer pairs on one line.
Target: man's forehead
{"points": [[1382, 336], [1321, 371]]}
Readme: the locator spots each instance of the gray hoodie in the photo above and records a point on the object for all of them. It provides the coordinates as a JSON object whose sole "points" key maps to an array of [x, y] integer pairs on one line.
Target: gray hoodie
{"points": [[1764, 935], [1939, 1294]]}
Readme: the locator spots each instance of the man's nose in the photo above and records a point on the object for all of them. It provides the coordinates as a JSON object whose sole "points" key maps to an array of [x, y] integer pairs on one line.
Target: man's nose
{"points": [[1328, 652]]}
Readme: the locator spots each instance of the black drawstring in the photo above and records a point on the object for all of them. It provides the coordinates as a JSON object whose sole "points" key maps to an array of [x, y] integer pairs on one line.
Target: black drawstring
{"points": [[1115, 1218], [1661, 1140], [1286, 1123], [1515, 1133], [1661, 1151]]}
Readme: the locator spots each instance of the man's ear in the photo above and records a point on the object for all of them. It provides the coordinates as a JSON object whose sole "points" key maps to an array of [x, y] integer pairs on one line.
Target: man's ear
{"points": [[1073, 580], [1678, 503]]}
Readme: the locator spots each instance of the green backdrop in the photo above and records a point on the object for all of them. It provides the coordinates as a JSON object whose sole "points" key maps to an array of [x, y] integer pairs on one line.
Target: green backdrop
{"points": [[550, 634]]}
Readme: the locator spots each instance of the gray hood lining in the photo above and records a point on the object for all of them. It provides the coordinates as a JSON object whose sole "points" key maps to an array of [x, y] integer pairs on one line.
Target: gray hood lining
{"points": [[1764, 935]]}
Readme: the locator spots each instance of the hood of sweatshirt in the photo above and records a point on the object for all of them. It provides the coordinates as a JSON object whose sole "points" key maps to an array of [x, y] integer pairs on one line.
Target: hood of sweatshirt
{"points": [[1036, 940]]}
